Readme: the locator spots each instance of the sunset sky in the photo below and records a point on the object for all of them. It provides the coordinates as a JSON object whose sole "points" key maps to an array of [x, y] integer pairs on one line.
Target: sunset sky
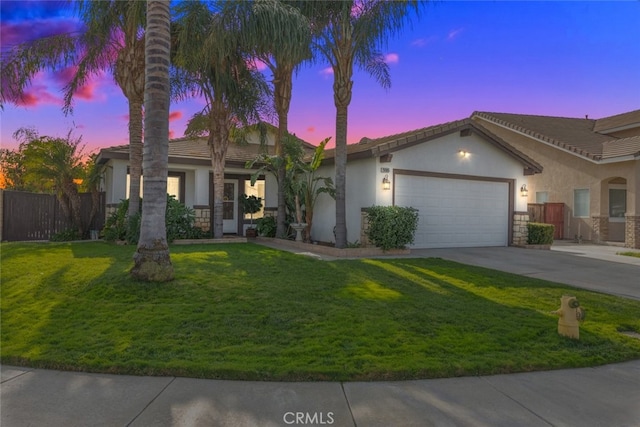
{"points": [[548, 58]]}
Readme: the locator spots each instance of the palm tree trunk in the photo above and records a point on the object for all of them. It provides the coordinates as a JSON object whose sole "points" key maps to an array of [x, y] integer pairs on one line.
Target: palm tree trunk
{"points": [[135, 156], [342, 88], [151, 260], [283, 86], [218, 143], [71, 195]]}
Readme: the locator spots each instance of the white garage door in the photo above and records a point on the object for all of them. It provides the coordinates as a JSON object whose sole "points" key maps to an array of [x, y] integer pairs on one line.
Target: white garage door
{"points": [[456, 212]]}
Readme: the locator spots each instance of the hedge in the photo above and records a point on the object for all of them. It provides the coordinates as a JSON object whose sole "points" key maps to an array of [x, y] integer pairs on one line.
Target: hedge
{"points": [[540, 234]]}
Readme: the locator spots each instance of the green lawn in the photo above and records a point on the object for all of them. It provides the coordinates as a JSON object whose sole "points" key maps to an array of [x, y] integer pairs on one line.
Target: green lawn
{"points": [[633, 254], [243, 311]]}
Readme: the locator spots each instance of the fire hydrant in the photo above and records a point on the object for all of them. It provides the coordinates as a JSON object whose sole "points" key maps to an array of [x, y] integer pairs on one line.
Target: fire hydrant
{"points": [[571, 315]]}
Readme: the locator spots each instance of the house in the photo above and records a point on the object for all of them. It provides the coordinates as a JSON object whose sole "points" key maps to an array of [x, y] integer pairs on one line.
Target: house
{"points": [[190, 178], [591, 170], [465, 181]]}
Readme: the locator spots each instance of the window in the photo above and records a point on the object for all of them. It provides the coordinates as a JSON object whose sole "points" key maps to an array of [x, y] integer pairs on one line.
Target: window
{"points": [[256, 190], [581, 203], [542, 197], [175, 185], [617, 202]]}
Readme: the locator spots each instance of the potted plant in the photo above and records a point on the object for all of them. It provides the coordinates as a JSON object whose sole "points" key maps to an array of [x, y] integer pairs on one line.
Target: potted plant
{"points": [[251, 205]]}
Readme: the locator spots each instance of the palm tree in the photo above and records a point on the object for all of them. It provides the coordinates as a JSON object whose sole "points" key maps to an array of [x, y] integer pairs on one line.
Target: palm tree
{"points": [[152, 261], [352, 35], [210, 62], [280, 36], [113, 40]]}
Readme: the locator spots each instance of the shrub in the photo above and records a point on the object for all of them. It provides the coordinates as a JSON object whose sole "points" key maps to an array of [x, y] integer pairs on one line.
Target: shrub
{"points": [[67, 235], [179, 221], [540, 234], [115, 227], [392, 226], [266, 226]]}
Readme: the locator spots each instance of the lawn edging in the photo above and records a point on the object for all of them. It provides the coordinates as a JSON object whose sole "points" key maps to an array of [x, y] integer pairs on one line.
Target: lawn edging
{"points": [[334, 252]]}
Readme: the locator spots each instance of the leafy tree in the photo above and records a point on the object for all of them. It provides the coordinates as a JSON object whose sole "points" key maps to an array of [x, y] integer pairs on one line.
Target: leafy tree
{"points": [[112, 39], [210, 61], [352, 35], [152, 261]]}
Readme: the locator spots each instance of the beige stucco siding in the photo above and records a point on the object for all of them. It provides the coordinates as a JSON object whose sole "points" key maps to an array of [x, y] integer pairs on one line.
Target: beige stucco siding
{"points": [[565, 172]]}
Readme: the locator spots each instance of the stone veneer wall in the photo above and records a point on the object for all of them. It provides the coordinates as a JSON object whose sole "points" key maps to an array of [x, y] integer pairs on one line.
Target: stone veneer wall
{"points": [[600, 228], [203, 217], [632, 232], [520, 230], [109, 210]]}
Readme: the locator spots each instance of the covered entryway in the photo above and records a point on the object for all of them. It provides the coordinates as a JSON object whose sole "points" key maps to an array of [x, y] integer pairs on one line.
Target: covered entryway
{"points": [[456, 211]]}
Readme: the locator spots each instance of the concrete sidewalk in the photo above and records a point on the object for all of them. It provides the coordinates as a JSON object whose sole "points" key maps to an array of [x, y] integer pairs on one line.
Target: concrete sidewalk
{"points": [[601, 396]]}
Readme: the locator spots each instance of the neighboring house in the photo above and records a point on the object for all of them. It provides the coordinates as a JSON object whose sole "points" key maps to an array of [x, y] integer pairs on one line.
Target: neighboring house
{"points": [[591, 168], [190, 178], [464, 180]]}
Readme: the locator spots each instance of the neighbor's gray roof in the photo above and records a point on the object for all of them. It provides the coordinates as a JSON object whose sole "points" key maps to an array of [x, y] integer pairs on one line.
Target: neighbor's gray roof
{"points": [[368, 147], [572, 134]]}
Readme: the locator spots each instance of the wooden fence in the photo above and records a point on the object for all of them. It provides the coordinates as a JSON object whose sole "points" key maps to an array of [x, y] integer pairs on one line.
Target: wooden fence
{"points": [[32, 216]]}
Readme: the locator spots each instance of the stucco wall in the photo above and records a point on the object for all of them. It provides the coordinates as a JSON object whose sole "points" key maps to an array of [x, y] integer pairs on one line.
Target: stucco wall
{"points": [[361, 183], [364, 177], [564, 172], [483, 159]]}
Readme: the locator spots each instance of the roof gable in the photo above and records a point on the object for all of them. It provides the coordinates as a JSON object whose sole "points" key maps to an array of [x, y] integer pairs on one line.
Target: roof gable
{"points": [[622, 121], [388, 144], [574, 135]]}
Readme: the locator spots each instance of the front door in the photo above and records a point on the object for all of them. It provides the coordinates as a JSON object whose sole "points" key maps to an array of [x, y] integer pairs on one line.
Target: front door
{"points": [[230, 207]]}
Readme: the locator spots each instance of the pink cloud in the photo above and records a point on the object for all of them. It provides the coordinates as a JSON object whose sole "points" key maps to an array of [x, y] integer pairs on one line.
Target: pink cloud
{"points": [[257, 64], [311, 129], [38, 95], [171, 134], [326, 72], [391, 58], [421, 42], [175, 115], [453, 34]]}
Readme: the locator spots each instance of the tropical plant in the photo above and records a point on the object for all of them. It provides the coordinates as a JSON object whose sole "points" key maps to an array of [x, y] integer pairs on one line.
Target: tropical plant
{"points": [[352, 35], [113, 39], [280, 37], [152, 261], [210, 62], [266, 226], [310, 186]]}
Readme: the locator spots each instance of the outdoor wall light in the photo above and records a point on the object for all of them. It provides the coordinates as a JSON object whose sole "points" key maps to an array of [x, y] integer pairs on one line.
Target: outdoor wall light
{"points": [[386, 184], [463, 153], [523, 190]]}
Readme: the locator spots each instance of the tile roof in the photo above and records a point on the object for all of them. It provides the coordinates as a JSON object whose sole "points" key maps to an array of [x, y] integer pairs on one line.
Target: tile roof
{"points": [[572, 134], [621, 147], [629, 119], [369, 147], [185, 150]]}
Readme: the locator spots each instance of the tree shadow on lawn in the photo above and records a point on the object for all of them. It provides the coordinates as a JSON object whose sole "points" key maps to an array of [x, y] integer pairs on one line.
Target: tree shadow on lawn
{"points": [[249, 312], [475, 312]]}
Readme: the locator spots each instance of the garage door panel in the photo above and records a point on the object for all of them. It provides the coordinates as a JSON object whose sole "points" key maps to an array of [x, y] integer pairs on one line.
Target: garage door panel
{"points": [[456, 212]]}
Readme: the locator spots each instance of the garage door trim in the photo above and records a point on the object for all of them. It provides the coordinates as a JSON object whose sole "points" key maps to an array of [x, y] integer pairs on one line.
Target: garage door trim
{"points": [[509, 181]]}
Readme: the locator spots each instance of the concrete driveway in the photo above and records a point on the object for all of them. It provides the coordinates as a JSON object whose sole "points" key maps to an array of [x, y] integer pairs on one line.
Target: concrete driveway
{"points": [[592, 267]]}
